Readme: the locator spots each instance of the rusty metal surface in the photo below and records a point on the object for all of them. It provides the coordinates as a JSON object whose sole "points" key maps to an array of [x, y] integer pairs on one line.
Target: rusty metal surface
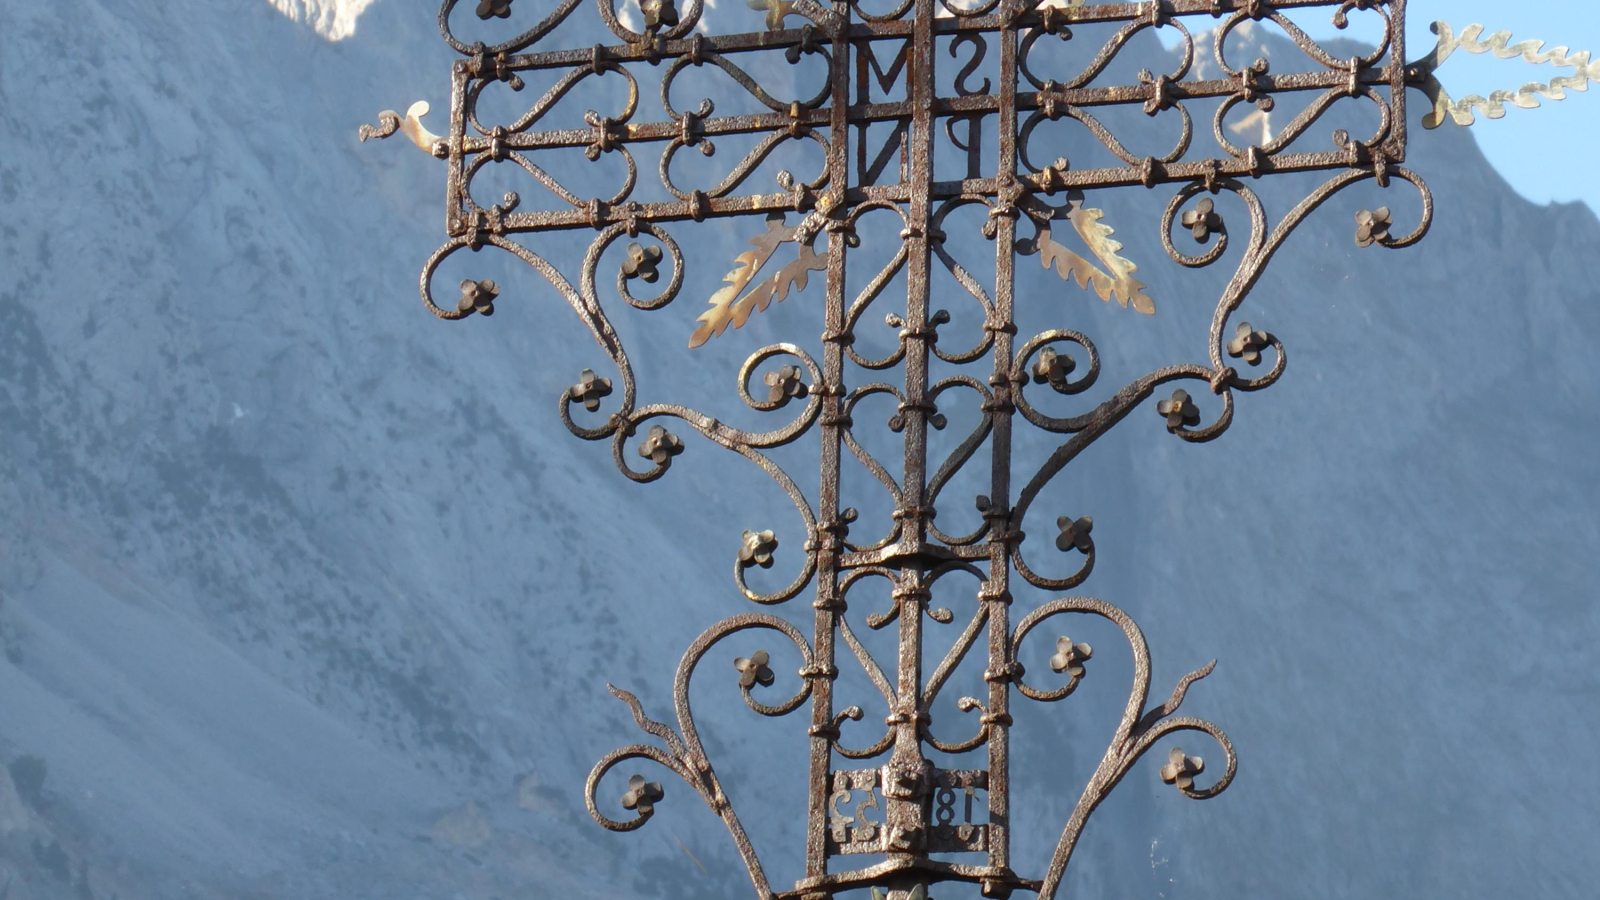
{"points": [[901, 806]]}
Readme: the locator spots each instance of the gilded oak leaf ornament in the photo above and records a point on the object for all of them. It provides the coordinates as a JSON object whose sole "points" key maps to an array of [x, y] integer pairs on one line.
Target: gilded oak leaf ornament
{"points": [[1114, 281], [728, 308]]}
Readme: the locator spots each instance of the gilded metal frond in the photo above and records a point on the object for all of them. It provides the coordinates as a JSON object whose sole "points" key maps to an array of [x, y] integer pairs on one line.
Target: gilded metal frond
{"points": [[729, 309], [1463, 111], [1115, 281]]}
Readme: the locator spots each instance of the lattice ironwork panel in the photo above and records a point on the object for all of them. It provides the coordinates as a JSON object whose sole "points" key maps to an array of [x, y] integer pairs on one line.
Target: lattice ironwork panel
{"points": [[905, 81]]}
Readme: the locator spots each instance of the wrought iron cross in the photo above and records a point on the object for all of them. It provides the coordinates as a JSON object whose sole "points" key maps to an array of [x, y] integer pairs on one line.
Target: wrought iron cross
{"points": [[924, 814]]}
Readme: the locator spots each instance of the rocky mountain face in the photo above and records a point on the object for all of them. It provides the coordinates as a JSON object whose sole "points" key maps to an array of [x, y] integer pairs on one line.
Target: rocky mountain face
{"points": [[306, 594]]}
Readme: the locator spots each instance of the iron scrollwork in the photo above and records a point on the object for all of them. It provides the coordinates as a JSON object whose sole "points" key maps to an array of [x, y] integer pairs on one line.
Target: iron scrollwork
{"points": [[902, 806]]}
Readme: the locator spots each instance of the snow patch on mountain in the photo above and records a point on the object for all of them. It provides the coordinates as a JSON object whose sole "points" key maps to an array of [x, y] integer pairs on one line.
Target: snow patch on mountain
{"points": [[333, 19]]}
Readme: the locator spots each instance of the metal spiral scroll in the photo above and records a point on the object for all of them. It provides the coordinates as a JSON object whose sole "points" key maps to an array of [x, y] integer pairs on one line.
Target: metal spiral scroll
{"points": [[684, 754], [1138, 731], [1035, 210], [1140, 727]]}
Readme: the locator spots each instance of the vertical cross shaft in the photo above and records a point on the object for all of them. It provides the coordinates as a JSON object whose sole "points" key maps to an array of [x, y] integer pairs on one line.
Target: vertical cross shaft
{"points": [[904, 789], [996, 592], [830, 531]]}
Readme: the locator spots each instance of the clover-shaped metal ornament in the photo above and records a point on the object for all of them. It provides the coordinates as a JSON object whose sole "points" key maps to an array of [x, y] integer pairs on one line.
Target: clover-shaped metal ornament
{"points": [[1070, 657], [660, 446], [1180, 770], [1248, 344], [784, 385], [642, 262], [754, 671], [1075, 534], [494, 9], [1179, 411], [590, 389], [1373, 227], [478, 296], [1203, 220], [642, 796], [658, 14], [1053, 366], [757, 549]]}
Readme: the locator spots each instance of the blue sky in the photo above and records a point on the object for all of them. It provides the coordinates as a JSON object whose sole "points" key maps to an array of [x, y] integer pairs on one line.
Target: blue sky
{"points": [[1548, 153]]}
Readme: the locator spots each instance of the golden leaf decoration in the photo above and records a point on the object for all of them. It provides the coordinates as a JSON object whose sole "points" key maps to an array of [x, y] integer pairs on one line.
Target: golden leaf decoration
{"points": [[1463, 111], [1118, 283], [728, 308], [411, 126]]}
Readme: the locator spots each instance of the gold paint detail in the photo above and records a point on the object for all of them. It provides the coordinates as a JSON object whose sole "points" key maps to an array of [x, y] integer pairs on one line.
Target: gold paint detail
{"points": [[1114, 281], [390, 122], [779, 10], [1463, 111], [728, 308], [776, 10]]}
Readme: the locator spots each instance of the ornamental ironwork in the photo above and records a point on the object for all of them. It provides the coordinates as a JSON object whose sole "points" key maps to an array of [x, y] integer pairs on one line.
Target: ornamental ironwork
{"points": [[884, 796]]}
